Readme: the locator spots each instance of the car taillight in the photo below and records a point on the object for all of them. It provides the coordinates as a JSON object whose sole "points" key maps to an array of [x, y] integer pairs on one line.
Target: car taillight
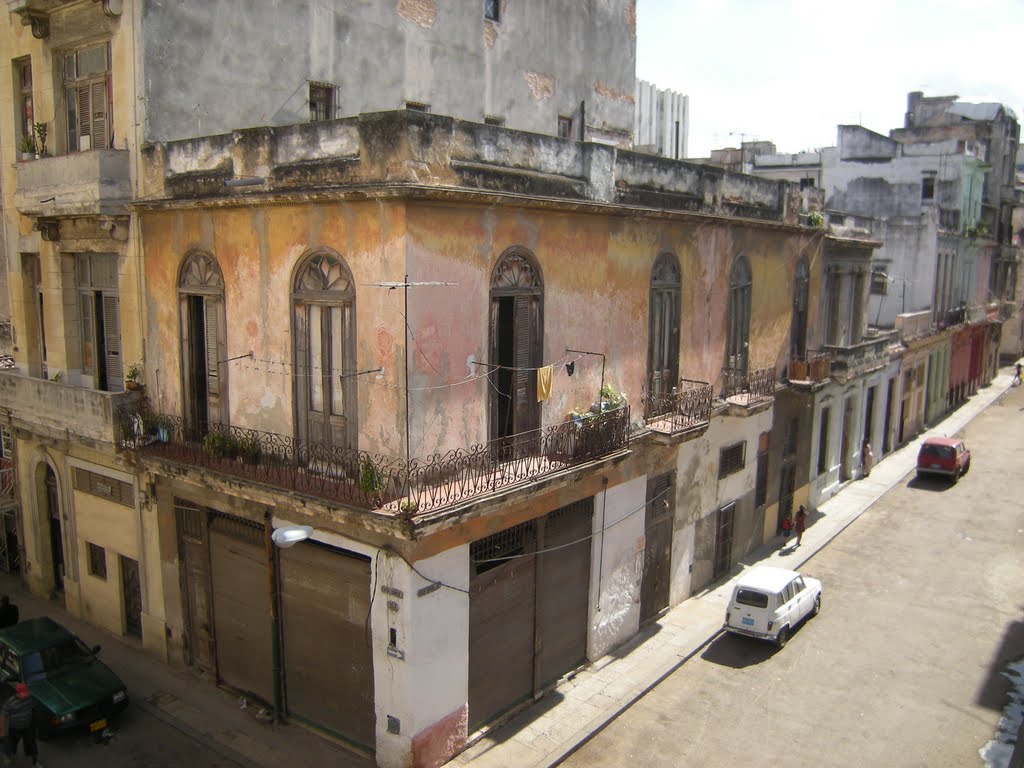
{"points": [[727, 617], [770, 626]]}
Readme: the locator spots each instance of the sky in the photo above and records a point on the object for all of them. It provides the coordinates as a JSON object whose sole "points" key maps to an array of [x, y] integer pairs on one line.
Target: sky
{"points": [[790, 71]]}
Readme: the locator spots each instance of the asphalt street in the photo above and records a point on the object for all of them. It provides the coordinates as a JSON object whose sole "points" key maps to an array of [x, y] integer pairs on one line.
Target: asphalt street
{"points": [[923, 609]]}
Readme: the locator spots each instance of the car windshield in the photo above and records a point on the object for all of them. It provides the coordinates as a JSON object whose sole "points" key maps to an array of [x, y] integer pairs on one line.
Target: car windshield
{"points": [[48, 661], [752, 598], [937, 451]]}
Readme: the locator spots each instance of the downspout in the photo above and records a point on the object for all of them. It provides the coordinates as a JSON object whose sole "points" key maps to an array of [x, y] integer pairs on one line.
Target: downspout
{"points": [[275, 634]]}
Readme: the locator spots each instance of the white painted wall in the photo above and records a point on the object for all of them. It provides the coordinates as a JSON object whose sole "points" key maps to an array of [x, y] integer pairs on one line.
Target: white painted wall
{"points": [[617, 564]]}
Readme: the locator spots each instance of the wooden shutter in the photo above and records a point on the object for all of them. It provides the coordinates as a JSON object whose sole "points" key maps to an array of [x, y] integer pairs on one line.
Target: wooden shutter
{"points": [[112, 342], [212, 340], [523, 338], [88, 333], [98, 104], [84, 114], [301, 319]]}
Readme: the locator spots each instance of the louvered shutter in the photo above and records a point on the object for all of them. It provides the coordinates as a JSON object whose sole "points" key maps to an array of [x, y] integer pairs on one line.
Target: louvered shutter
{"points": [[84, 114], [212, 333], [98, 105], [88, 333], [112, 341], [301, 369], [526, 408]]}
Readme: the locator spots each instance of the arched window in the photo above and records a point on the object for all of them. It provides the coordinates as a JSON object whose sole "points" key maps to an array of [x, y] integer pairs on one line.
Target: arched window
{"points": [[663, 327], [323, 302], [203, 342], [738, 333], [798, 332], [516, 341]]}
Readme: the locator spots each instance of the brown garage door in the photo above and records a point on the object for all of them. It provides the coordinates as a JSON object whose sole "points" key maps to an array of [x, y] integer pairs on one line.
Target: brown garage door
{"points": [[563, 587], [501, 614], [527, 611], [241, 605], [328, 662]]}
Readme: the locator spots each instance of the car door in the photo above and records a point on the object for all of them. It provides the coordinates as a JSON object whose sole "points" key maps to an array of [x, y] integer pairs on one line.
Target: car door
{"points": [[789, 613], [804, 598]]}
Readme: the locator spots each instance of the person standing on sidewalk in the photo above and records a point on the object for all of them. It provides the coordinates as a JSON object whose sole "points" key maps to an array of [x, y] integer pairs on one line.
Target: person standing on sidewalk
{"points": [[800, 524], [19, 710], [787, 527], [868, 459]]}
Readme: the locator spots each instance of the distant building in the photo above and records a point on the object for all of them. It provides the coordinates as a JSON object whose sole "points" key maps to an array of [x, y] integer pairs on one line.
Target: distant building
{"points": [[661, 123]]}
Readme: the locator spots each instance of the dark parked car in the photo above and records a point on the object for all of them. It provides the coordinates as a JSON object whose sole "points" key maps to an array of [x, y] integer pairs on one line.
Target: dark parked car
{"points": [[72, 689], [945, 456]]}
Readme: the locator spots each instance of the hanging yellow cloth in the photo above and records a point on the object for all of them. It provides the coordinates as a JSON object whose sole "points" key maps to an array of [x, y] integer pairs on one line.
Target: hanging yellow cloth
{"points": [[543, 383]]}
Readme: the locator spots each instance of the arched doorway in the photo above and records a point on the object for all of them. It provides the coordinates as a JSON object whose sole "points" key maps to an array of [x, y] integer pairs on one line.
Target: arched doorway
{"points": [[50, 504]]}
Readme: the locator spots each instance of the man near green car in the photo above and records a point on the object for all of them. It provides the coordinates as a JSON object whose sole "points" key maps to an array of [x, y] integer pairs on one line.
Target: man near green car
{"points": [[21, 724]]}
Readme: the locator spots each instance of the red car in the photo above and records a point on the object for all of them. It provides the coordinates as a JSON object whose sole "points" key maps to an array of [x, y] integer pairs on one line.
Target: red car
{"points": [[946, 456]]}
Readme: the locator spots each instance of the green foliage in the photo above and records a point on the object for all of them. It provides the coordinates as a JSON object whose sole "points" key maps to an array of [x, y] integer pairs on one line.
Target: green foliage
{"points": [[615, 399], [816, 219], [134, 372], [370, 479], [26, 144], [220, 446], [40, 130]]}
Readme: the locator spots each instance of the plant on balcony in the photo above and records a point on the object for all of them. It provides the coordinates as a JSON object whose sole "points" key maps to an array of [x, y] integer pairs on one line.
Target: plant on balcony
{"points": [[249, 448], [133, 376], [26, 147], [370, 479], [816, 219], [220, 446], [610, 398], [40, 130]]}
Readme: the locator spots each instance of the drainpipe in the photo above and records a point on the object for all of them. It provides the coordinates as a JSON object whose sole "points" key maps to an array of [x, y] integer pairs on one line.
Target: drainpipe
{"points": [[275, 634]]}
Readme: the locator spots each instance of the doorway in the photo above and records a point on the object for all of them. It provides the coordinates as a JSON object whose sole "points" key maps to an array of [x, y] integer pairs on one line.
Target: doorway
{"points": [[51, 502]]}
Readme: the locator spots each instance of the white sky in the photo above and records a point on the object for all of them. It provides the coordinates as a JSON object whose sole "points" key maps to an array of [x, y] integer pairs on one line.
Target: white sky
{"points": [[790, 71]]}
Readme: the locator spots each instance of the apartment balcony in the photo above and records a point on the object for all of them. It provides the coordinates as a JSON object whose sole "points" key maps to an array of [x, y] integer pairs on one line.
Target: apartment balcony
{"points": [[384, 484], [682, 413], [36, 13], [750, 391], [51, 409], [810, 369], [869, 354], [92, 183], [6, 482]]}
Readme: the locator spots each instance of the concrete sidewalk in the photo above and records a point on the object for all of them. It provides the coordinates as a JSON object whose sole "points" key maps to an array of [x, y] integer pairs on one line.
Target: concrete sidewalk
{"points": [[581, 706]]}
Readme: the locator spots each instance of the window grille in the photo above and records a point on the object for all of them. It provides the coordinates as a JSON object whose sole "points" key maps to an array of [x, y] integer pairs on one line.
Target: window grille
{"points": [[731, 459], [104, 487], [97, 561]]}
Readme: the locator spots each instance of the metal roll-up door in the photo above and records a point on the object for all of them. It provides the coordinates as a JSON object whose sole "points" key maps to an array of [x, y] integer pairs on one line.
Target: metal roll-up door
{"points": [[502, 599], [241, 605], [563, 590], [328, 660]]}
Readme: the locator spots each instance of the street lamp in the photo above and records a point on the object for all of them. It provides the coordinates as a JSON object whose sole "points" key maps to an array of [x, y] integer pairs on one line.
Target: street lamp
{"points": [[283, 537]]}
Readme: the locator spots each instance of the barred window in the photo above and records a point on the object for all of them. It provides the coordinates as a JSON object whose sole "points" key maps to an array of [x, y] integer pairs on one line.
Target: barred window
{"points": [[97, 561], [500, 547], [105, 487], [732, 459]]}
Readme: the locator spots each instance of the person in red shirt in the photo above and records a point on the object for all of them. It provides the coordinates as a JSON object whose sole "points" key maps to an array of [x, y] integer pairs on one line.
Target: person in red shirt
{"points": [[787, 527], [21, 723]]}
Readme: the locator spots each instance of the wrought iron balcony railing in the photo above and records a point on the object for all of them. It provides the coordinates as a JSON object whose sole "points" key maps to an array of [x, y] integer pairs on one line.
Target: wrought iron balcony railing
{"points": [[687, 406], [6, 479], [813, 366], [747, 387], [375, 481]]}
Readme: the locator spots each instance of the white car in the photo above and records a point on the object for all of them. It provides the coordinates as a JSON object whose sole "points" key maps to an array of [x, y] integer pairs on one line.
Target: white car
{"points": [[768, 602]]}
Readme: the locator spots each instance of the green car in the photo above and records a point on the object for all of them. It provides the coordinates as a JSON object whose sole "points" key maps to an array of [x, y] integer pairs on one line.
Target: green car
{"points": [[71, 687]]}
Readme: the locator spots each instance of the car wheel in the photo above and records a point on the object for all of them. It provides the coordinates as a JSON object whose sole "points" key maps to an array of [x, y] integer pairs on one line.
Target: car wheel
{"points": [[956, 475], [967, 467], [782, 638], [817, 606]]}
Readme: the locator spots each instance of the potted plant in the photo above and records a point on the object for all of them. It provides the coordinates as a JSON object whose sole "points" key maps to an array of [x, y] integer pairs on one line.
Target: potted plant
{"points": [[26, 148], [249, 448], [133, 376], [370, 480], [40, 130], [218, 445]]}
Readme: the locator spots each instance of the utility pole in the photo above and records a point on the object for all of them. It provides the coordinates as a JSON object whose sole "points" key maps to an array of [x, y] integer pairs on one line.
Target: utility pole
{"points": [[405, 286]]}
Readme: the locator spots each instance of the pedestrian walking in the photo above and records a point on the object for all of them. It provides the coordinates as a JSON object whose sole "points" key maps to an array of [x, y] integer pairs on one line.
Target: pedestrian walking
{"points": [[868, 458], [800, 525], [1016, 377], [787, 527], [8, 612], [19, 710]]}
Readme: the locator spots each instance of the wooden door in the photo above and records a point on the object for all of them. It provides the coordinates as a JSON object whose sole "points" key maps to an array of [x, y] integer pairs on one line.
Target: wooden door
{"points": [[659, 513], [195, 559], [131, 595], [723, 540]]}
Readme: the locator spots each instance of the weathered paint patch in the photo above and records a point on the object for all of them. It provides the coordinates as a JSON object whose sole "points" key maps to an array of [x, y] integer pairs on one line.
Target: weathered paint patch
{"points": [[603, 89], [440, 742], [630, 16], [490, 34], [422, 12], [542, 86]]}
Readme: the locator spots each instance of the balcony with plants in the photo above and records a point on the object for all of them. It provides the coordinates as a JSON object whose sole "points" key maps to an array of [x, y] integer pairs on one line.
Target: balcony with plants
{"points": [[751, 390], [683, 411], [385, 484]]}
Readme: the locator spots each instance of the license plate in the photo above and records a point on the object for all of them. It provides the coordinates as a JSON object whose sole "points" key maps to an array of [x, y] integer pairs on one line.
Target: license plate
{"points": [[936, 466], [747, 621], [99, 725]]}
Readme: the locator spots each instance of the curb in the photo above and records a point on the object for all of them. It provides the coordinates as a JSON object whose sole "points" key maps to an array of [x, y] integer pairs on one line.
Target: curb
{"points": [[203, 739]]}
